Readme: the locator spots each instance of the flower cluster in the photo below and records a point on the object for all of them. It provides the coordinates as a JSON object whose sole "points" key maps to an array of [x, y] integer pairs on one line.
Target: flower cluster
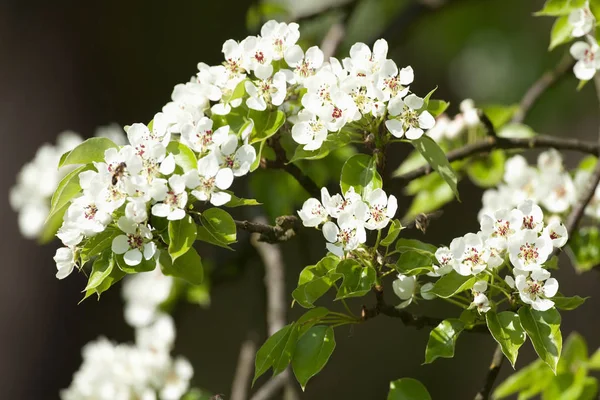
{"points": [[362, 88], [548, 185], [38, 179], [450, 129], [354, 213], [144, 370], [582, 22], [518, 238]]}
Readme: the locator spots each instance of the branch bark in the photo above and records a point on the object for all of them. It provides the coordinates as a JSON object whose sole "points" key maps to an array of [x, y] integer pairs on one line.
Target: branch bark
{"points": [[243, 372], [491, 143], [490, 378], [547, 80], [284, 229], [407, 318], [276, 306]]}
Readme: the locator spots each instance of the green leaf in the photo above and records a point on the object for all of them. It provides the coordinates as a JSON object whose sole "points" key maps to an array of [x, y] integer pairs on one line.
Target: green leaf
{"points": [[584, 245], [182, 235], [310, 319], [452, 283], [187, 266], [309, 292], [431, 198], [360, 172], [266, 124], [590, 387], [334, 141], [506, 329], [237, 93], [408, 389], [517, 131], [113, 277], [414, 263], [543, 328], [52, 225], [358, 280], [205, 236], [555, 8], [436, 157], [97, 244], [143, 266], [594, 362], [220, 225], [312, 353], [499, 115], [404, 245], [568, 303], [393, 232], [528, 381], [184, 156], [67, 189], [101, 269], [487, 171], [574, 355], [283, 359], [442, 339], [437, 107], [240, 202], [561, 32], [91, 150], [271, 350]]}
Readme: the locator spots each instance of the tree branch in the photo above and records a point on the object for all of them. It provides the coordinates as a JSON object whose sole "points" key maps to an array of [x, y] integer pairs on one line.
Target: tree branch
{"points": [[407, 318], [547, 80], [243, 372], [276, 305], [491, 143], [490, 378], [588, 194], [285, 228], [281, 162]]}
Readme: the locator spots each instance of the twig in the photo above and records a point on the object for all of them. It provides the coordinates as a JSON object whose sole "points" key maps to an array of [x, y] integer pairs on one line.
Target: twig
{"points": [[276, 306], [284, 229], [588, 194], [407, 318], [243, 372], [492, 374], [585, 198], [281, 162], [274, 281], [272, 386], [332, 39], [491, 143], [548, 79]]}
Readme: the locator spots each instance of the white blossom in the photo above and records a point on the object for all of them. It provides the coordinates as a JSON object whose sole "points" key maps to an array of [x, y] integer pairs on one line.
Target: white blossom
{"points": [[587, 58], [537, 289], [408, 121], [405, 288], [528, 251]]}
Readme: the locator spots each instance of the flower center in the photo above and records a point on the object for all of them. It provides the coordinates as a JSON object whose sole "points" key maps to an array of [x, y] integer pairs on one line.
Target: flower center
{"points": [[529, 253], [135, 241]]}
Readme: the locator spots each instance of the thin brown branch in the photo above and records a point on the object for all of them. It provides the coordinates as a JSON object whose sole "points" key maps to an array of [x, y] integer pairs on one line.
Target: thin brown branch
{"points": [[547, 80], [407, 318], [492, 374], [490, 143], [273, 385], [274, 281], [284, 229], [585, 198], [590, 190], [243, 372], [332, 39], [281, 162]]}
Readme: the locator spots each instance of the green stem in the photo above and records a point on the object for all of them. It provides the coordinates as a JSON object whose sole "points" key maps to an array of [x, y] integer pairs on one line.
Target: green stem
{"points": [[455, 302], [378, 240]]}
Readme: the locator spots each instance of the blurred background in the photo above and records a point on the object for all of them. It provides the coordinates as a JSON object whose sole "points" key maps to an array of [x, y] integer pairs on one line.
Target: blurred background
{"points": [[78, 65]]}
